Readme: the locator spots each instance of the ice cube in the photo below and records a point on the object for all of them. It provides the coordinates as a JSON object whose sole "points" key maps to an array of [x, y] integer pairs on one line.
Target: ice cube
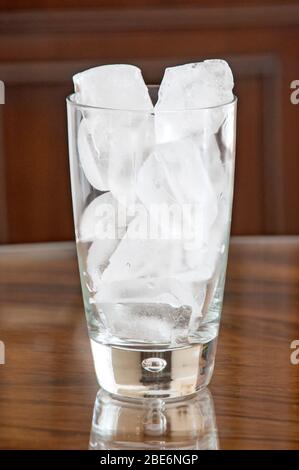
{"points": [[202, 259], [94, 163], [200, 262], [148, 291], [219, 82], [98, 257], [190, 173], [112, 140], [177, 125], [103, 222], [215, 167], [184, 92], [147, 271], [175, 175], [154, 323], [141, 257], [196, 85], [112, 146], [117, 86], [129, 147], [103, 218]]}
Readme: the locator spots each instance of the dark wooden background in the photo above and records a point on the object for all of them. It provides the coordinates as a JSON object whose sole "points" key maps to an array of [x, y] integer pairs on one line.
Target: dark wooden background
{"points": [[42, 44]]}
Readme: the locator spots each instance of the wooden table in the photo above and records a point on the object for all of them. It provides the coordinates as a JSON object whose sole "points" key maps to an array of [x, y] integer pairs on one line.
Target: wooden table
{"points": [[48, 387]]}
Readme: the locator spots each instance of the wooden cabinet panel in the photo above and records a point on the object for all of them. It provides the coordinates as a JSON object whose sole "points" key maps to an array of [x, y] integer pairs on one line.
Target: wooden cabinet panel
{"points": [[41, 50], [37, 179], [249, 189]]}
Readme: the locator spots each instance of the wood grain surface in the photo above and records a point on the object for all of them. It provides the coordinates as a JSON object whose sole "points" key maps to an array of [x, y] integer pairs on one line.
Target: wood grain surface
{"points": [[47, 384]]}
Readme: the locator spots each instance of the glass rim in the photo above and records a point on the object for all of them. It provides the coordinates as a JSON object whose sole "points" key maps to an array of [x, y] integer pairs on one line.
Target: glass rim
{"points": [[70, 100]]}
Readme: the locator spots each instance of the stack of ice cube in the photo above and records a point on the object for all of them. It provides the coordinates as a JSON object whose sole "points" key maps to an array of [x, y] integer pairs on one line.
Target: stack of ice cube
{"points": [[145, 157]]}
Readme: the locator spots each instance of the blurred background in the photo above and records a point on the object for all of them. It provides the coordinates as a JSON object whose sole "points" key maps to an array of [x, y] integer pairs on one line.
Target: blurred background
{"points": [[44, 42]]}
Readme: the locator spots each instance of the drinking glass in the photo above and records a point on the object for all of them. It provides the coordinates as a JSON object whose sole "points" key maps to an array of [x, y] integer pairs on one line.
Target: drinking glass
{"points": [[152, 197]]}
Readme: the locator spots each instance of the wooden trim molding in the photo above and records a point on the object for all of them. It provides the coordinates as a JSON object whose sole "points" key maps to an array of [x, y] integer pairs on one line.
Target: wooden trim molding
{"points": [[147, 19], [3, 201]]}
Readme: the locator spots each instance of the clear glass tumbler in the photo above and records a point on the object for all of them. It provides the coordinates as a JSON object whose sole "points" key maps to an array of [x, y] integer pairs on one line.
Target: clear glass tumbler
{"points": [[152, 196]]}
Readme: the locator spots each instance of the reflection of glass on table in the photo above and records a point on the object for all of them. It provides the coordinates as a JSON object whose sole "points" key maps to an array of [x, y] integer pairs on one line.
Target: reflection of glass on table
{"points": [[154, 424]]}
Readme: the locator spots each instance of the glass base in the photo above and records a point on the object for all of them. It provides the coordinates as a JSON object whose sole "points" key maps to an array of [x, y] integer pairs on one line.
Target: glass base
{"points": [[152, 372]]}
